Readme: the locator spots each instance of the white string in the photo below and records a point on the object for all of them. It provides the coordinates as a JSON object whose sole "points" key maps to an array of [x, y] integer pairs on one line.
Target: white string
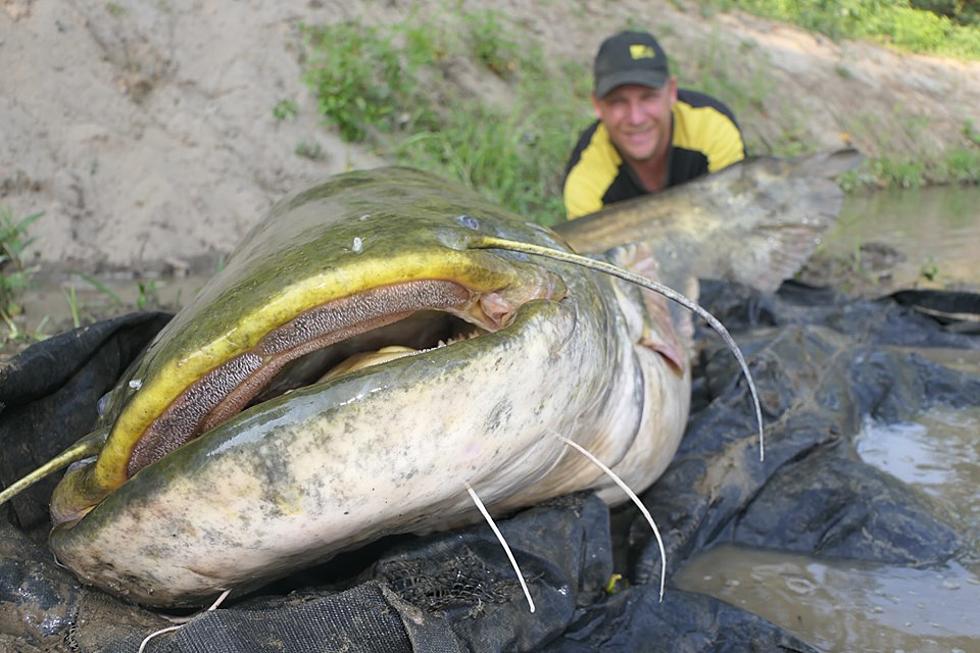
{"points": [[503, 543], [169, 629], [634, 498]]}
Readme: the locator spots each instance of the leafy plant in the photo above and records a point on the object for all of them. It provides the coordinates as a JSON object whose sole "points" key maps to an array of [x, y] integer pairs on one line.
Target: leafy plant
{"points": [[148, 295], [114, 297], [71, 296], [971, 133], [904, 173], [917, 26], [490, 43], [513, 155], [307, 150], [357, 75], [285, 110], [963, 164], [16, 334], [14, 275]]}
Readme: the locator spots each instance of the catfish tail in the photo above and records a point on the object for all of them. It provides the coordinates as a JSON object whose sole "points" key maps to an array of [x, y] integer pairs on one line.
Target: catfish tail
{"points": [[756, 222]]}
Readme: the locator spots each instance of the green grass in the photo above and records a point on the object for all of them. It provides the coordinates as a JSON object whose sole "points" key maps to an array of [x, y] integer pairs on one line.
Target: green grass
{"points": [[308, 150], [285, 110], [15, 275], [898, 23], [490, 43], [362, 81], [389, 86], [397, 89]]}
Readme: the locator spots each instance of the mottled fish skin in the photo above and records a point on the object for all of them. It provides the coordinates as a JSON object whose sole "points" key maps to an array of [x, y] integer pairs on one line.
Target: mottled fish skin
{"points": [[390, 448], [387, 449]]}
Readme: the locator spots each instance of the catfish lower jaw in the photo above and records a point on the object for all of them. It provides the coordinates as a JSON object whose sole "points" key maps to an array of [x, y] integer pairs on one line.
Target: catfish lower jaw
{"points": [[230, 387]]}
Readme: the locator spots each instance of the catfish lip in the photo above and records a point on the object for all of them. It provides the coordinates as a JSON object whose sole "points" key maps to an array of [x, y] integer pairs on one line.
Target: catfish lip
{"points": [[227, 389]]}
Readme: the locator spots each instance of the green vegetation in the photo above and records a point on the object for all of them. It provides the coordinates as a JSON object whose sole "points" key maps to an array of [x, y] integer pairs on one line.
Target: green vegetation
{"points": [[307, 150], [105, 290], [14, 274], [398, 88], [391, 86], [905, 24], [115, 9], [285, 110], [929, 270], [971, 132], [360, 79], [86, 308], [148, 295], [490, 44], [74, 307]]}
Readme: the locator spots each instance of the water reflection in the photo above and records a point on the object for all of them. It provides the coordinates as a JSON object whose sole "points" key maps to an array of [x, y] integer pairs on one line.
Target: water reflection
{"points": [[908, 238], [849, 605], [845, 605], [939, 453]]}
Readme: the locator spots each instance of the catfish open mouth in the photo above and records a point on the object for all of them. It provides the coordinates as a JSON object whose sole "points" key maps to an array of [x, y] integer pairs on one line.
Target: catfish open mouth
{"points": [[325, 342]]}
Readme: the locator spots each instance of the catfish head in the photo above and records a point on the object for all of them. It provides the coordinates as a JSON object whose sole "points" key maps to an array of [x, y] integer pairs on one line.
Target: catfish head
{"points": [[353, 367]]}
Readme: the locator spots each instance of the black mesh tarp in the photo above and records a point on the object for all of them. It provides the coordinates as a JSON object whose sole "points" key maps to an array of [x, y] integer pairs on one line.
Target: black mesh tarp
{"points": [[823, 364]]}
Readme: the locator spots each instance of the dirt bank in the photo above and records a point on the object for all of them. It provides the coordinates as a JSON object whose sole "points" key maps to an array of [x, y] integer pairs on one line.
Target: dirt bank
{"points": [[145, 131]]}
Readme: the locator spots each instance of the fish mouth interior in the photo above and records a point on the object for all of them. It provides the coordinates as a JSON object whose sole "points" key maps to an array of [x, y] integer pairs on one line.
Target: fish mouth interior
{"points": [[326, 342], [420, 332]]}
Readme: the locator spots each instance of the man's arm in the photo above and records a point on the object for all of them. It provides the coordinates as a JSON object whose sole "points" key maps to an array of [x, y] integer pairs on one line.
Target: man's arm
{"points": [[582, 194], [591, 168], [727, 145]]}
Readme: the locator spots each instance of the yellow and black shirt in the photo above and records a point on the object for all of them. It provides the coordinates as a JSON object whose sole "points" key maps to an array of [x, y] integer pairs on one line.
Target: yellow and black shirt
{"points": [[705, 139]]}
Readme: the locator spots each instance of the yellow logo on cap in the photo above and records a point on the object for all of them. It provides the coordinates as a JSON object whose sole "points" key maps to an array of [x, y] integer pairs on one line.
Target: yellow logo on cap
{"points": [[641, 51]]}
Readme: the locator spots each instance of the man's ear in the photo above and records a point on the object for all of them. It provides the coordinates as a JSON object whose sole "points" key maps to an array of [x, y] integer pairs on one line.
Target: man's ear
{"points": [[672, 89], [595, 106]]}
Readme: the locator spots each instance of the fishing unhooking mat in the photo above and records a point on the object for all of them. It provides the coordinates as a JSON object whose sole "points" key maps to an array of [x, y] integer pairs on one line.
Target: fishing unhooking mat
{"points": [[823, 364]]}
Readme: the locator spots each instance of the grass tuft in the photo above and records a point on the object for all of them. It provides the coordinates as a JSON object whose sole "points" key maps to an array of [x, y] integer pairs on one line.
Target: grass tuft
{"points": [[398, 89], [913, 26], [15, 276], [398, 99]]}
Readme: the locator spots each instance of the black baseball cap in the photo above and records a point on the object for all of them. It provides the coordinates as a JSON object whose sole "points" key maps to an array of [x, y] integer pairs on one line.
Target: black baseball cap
{"points": [[630, 58]]}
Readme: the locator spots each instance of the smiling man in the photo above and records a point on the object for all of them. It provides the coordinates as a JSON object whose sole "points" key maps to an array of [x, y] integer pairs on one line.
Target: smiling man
{"points": [[649, 135]]}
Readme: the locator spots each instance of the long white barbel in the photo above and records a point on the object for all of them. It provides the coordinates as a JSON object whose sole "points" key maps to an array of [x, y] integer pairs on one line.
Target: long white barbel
{"points": [[492, 242], [635, 499], [503, 543]]}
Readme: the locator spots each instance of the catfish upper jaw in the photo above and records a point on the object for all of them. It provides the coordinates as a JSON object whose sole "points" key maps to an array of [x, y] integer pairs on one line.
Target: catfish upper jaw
{"points": [[229, 387]]}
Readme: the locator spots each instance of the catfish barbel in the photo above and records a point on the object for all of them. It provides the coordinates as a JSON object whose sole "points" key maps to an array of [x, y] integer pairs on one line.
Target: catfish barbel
{"points": [[359, 363]]}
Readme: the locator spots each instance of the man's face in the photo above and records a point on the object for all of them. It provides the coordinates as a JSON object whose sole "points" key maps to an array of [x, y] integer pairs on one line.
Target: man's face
{"points": [[638, 118]]}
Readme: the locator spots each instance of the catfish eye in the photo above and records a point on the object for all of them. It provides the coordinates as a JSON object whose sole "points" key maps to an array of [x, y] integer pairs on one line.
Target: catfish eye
{"points": [[469, 222]]}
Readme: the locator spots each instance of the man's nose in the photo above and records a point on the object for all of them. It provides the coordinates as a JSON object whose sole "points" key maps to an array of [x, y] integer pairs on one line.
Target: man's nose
{"points": [[637, 114]]}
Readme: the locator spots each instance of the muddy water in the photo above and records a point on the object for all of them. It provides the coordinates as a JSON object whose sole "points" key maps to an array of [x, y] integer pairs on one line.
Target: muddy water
{"points": [[846, 606], [939, 453], [840, 605], [901, 239]]}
